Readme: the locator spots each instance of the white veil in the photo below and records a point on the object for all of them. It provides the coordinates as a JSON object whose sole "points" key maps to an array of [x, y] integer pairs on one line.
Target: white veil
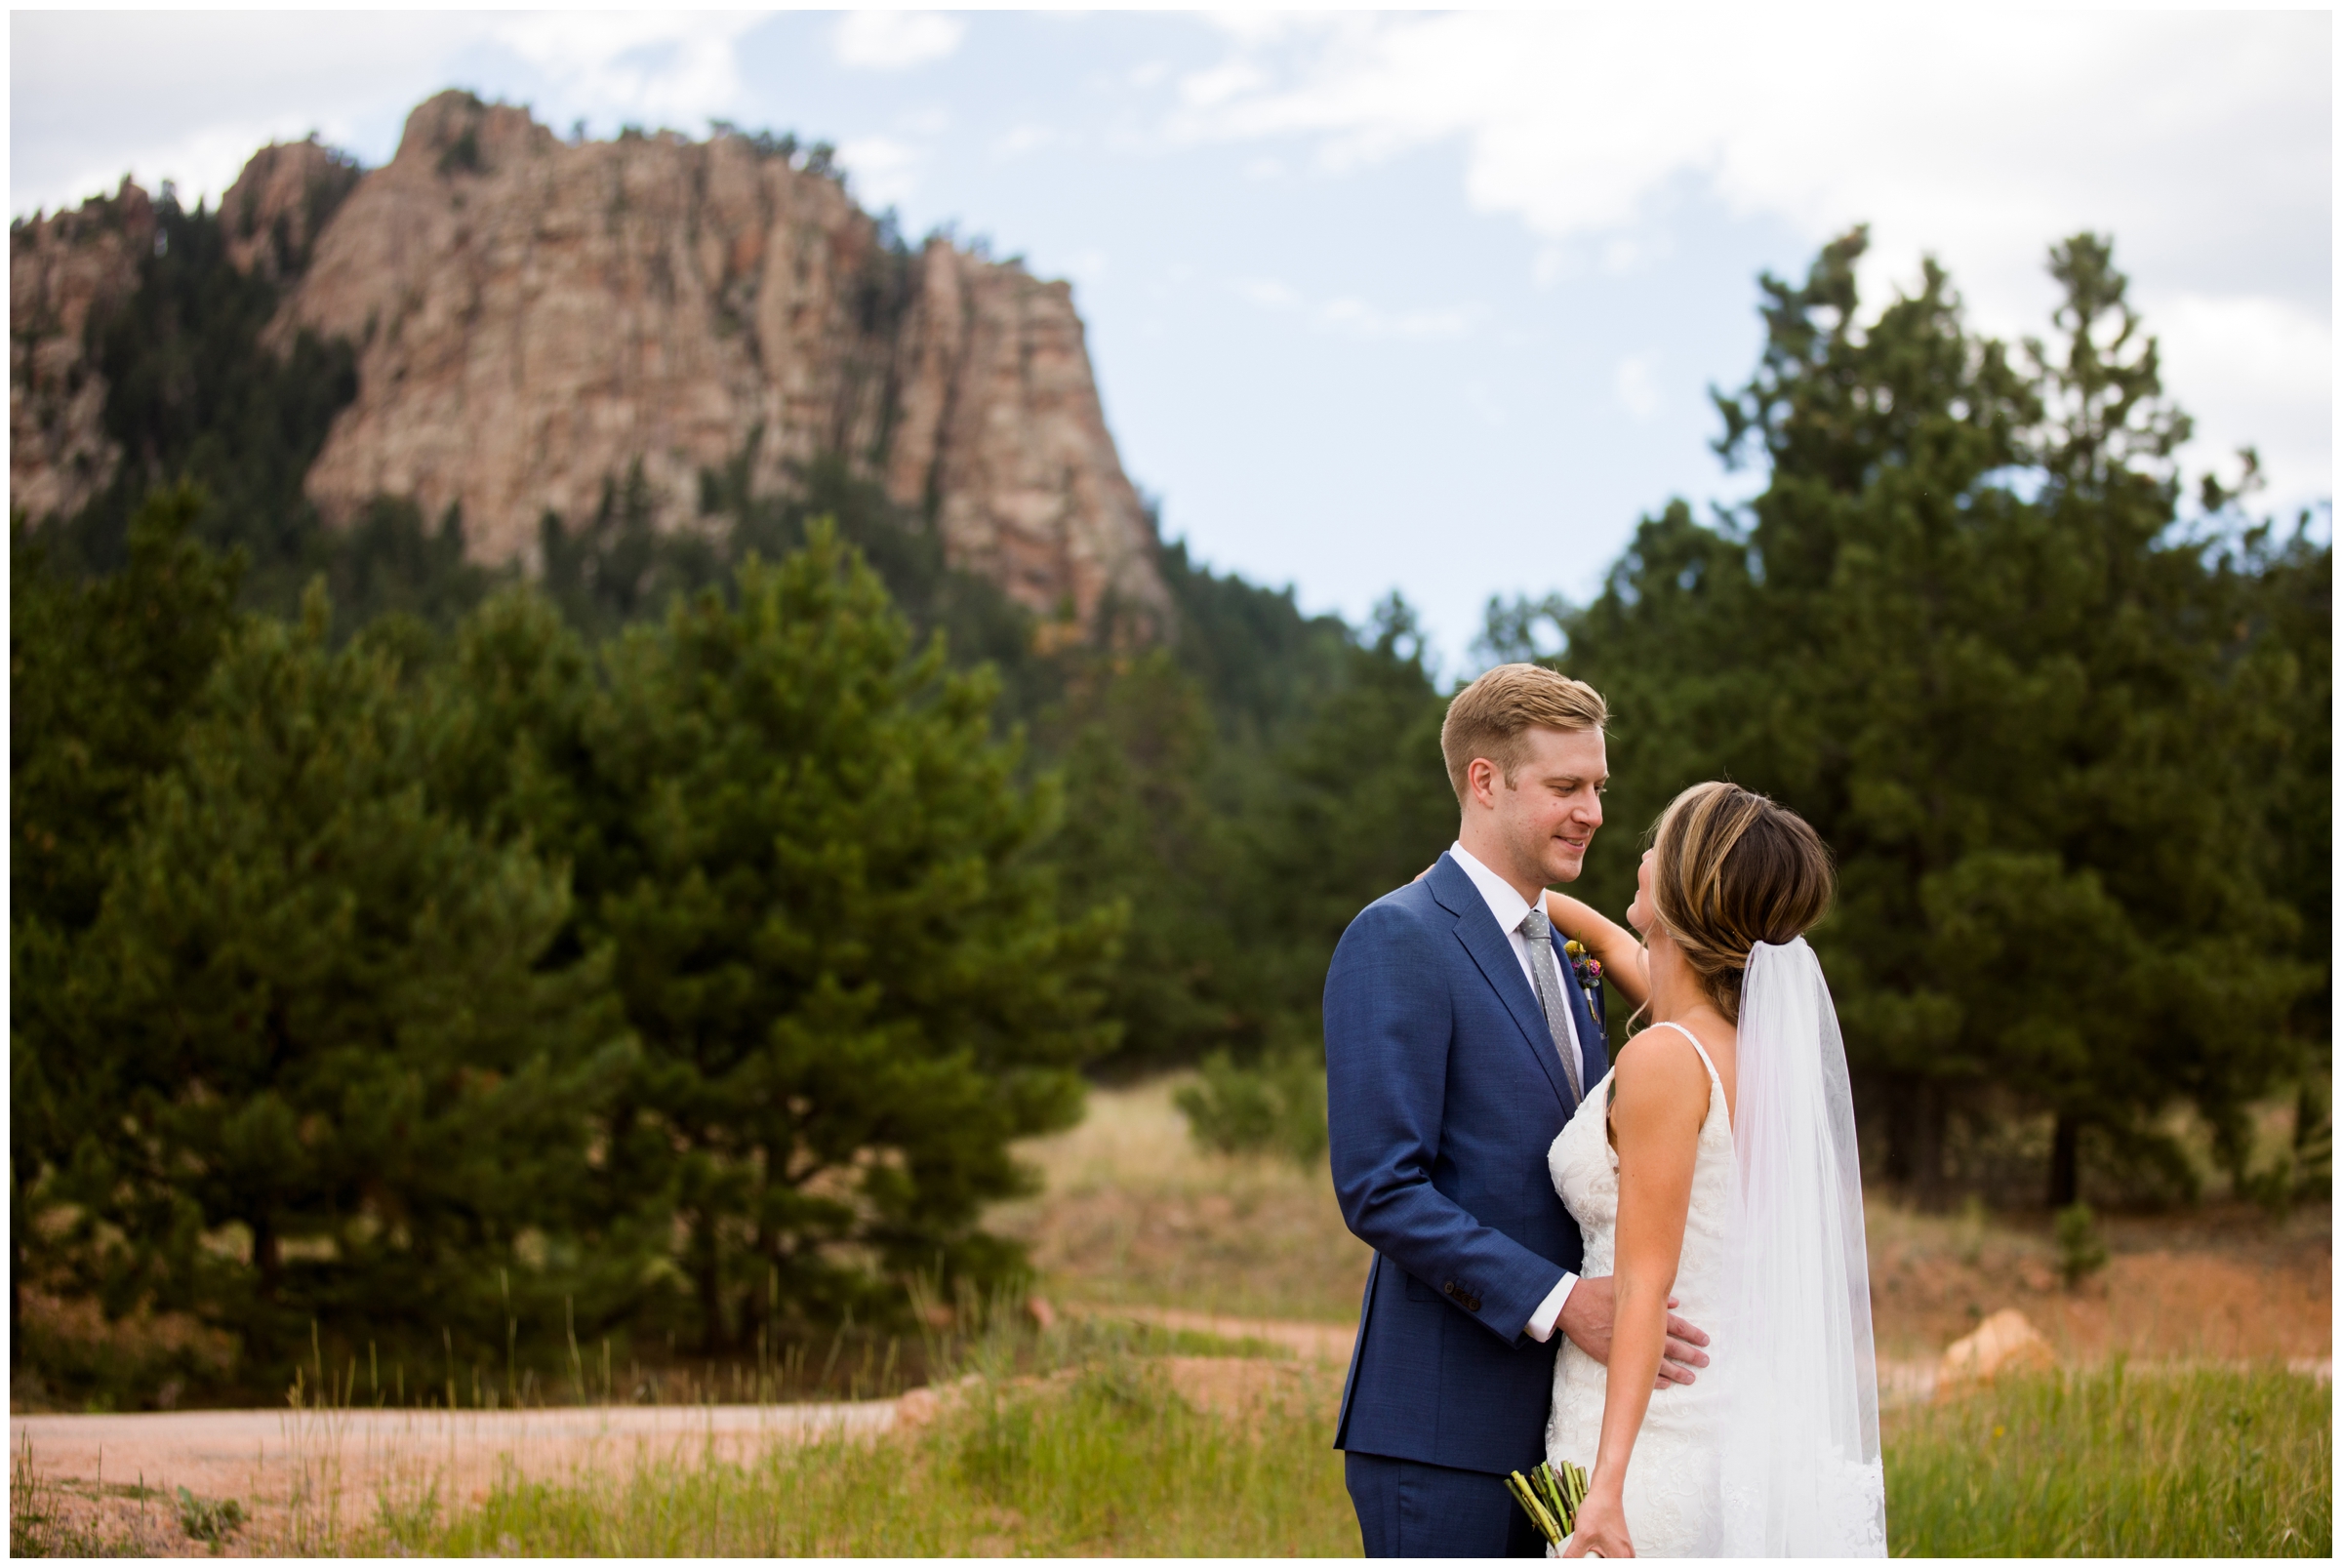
{"points": [[1802, 1475]]}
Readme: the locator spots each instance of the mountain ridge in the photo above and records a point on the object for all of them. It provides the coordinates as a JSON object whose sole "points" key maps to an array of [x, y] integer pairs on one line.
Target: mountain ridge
{"points": [[534, 319]]}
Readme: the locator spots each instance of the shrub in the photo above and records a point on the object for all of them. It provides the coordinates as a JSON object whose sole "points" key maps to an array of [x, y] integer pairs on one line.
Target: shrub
{"points": [[1277, 1105], [2079, 1251]]}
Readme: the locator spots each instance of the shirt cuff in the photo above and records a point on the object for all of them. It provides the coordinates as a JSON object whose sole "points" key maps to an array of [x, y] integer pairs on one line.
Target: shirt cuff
{"points": [[1549, 1311]]}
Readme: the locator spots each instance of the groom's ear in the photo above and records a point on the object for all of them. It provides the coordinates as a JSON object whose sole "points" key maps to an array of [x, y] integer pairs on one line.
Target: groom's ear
{"points": [[1481, 778]]}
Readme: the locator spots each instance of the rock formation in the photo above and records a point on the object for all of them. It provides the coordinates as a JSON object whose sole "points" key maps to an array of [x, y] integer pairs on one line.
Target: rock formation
{"points": [[62, 270], [2005, 1342], [534, 317]]}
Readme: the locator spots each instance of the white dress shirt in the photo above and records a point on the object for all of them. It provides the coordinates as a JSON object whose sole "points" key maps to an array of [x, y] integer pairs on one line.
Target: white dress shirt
{"points": [[1509, 908]]}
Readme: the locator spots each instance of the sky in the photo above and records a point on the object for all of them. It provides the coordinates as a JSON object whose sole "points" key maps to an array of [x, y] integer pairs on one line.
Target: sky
{"points": [[1377, 300]]}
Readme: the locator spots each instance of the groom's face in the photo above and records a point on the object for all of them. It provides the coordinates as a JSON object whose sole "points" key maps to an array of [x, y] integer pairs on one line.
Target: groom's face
{"points": [[1549, 810]]}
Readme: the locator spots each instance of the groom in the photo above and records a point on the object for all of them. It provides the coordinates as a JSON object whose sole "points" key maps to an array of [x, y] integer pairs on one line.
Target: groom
{"points": [[1457, 1043]]}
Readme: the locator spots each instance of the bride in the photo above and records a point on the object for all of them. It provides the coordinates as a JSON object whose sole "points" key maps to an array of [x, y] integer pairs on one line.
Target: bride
{"points": [[1716, 1164]]}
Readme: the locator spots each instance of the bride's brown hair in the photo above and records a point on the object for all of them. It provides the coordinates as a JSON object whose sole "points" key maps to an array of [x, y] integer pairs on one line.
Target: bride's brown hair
{"points": [[1734, 869]]}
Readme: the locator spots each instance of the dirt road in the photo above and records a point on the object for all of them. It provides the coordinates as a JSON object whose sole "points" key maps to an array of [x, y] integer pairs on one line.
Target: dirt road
{"points": [[305, 1474], [307, 1478]]}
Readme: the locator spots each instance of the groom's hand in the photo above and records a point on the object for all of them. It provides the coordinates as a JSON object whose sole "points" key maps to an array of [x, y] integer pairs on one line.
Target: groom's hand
{"points": [[1589, 1314]]}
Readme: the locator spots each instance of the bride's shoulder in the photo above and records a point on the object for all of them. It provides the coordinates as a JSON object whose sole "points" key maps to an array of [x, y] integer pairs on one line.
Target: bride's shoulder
{"points": [[1660, 1065]]}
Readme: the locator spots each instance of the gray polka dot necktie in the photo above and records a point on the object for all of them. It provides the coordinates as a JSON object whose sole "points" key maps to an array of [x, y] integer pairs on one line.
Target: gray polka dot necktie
{"points": [[1547, 972]]}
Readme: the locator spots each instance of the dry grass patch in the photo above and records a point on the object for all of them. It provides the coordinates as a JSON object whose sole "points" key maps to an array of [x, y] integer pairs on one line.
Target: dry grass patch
{"points": [[2224, 1283], [1134, 1211]]}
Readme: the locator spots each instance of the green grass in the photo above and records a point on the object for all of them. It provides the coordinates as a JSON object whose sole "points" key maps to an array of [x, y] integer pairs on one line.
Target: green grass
{"points": [[2111, 1462], [1145, 1338], [1108, 1460], [2117, 1462], [1102, 1457]]}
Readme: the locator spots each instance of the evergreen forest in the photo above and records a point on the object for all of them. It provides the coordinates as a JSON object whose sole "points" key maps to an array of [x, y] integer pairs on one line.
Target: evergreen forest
{"points": [[667, 946]]}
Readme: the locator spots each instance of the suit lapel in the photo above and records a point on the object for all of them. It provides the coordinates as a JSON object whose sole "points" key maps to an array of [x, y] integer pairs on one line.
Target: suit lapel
{"points": [[1492, 951]]}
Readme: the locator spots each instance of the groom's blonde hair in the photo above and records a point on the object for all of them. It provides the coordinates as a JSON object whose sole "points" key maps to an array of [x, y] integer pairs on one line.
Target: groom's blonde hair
{"points": [[1489, 718]]}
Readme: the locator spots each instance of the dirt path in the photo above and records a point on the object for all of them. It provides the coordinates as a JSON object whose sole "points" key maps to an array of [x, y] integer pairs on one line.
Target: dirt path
{"points": [[263, 1453], [307, 1475], [308, 1479]]}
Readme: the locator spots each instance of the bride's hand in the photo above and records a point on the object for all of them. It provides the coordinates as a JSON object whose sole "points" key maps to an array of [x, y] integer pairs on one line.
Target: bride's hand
{"points": [[1602, 1530]]}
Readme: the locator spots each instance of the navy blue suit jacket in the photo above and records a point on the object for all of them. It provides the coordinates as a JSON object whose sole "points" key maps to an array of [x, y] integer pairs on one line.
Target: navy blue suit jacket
{"points": [[1443, 1093]]}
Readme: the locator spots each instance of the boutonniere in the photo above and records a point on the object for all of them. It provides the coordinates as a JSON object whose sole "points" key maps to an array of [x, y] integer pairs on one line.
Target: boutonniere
{"points": [[1588, 968]]}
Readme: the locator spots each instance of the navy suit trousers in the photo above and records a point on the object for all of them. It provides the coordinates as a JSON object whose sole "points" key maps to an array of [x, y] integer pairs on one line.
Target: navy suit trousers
{"points": [[1407, 1508]]}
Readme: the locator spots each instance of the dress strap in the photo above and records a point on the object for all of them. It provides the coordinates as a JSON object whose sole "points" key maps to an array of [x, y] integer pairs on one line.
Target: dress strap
{"points": [[1705, 1060]]}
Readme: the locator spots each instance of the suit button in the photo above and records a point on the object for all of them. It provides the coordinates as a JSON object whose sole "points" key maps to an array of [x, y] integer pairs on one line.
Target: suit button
{"points": [[1449, 1287]]}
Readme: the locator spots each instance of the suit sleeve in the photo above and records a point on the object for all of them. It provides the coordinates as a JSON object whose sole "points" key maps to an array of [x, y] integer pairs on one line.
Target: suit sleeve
{"points": [[1389, 1028]]}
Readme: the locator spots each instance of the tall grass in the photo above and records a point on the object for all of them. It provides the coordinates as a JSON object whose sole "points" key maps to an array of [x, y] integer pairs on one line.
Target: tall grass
{"points": [[1102, 1457], [2118, 1461], [2108, 1462], [1107, 1460]]}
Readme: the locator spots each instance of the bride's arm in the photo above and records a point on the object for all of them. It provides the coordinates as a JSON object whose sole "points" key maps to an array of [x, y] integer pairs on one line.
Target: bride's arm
{"points": [[1624, 964], [1662, 1099]]}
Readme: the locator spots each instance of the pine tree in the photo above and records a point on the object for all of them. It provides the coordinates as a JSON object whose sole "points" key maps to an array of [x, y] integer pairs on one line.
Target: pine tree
{"points": [[103, 676], [348, 1088], [835, 936], [2027, 723], [1139, 760], [1362, 804]]}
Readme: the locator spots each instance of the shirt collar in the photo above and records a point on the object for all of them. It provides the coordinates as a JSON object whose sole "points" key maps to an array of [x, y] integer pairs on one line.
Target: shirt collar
{"points": [[1503, 899]]}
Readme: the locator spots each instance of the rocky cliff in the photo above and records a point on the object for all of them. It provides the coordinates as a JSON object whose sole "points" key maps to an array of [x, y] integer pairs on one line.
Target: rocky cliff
{"points": [[534, 317], [63, 270]]}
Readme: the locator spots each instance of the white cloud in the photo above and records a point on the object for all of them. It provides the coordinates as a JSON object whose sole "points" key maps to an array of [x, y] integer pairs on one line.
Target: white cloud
{"points": [[666, 67], [895, 40], [1637, 385], [1222, 85], [1353, 317], [882, 171], [189, 95], [2200, 141], [2009, 136], [2254, 371]]}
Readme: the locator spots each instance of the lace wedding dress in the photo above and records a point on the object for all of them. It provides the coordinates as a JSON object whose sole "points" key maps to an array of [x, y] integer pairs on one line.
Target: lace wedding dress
{"points": [[1773, 1451], [1674, 1485]]}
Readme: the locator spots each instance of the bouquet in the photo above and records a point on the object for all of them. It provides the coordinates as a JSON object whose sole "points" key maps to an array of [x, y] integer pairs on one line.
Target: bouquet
{"points": [[1551, 1499]]}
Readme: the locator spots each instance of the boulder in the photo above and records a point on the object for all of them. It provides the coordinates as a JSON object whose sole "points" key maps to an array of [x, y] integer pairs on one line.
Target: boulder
{"points": [[2005, 1342]]}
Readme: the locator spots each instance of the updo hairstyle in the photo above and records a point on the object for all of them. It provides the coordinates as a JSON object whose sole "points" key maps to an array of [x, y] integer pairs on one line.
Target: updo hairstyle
{"points": [[1734, 869]]}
